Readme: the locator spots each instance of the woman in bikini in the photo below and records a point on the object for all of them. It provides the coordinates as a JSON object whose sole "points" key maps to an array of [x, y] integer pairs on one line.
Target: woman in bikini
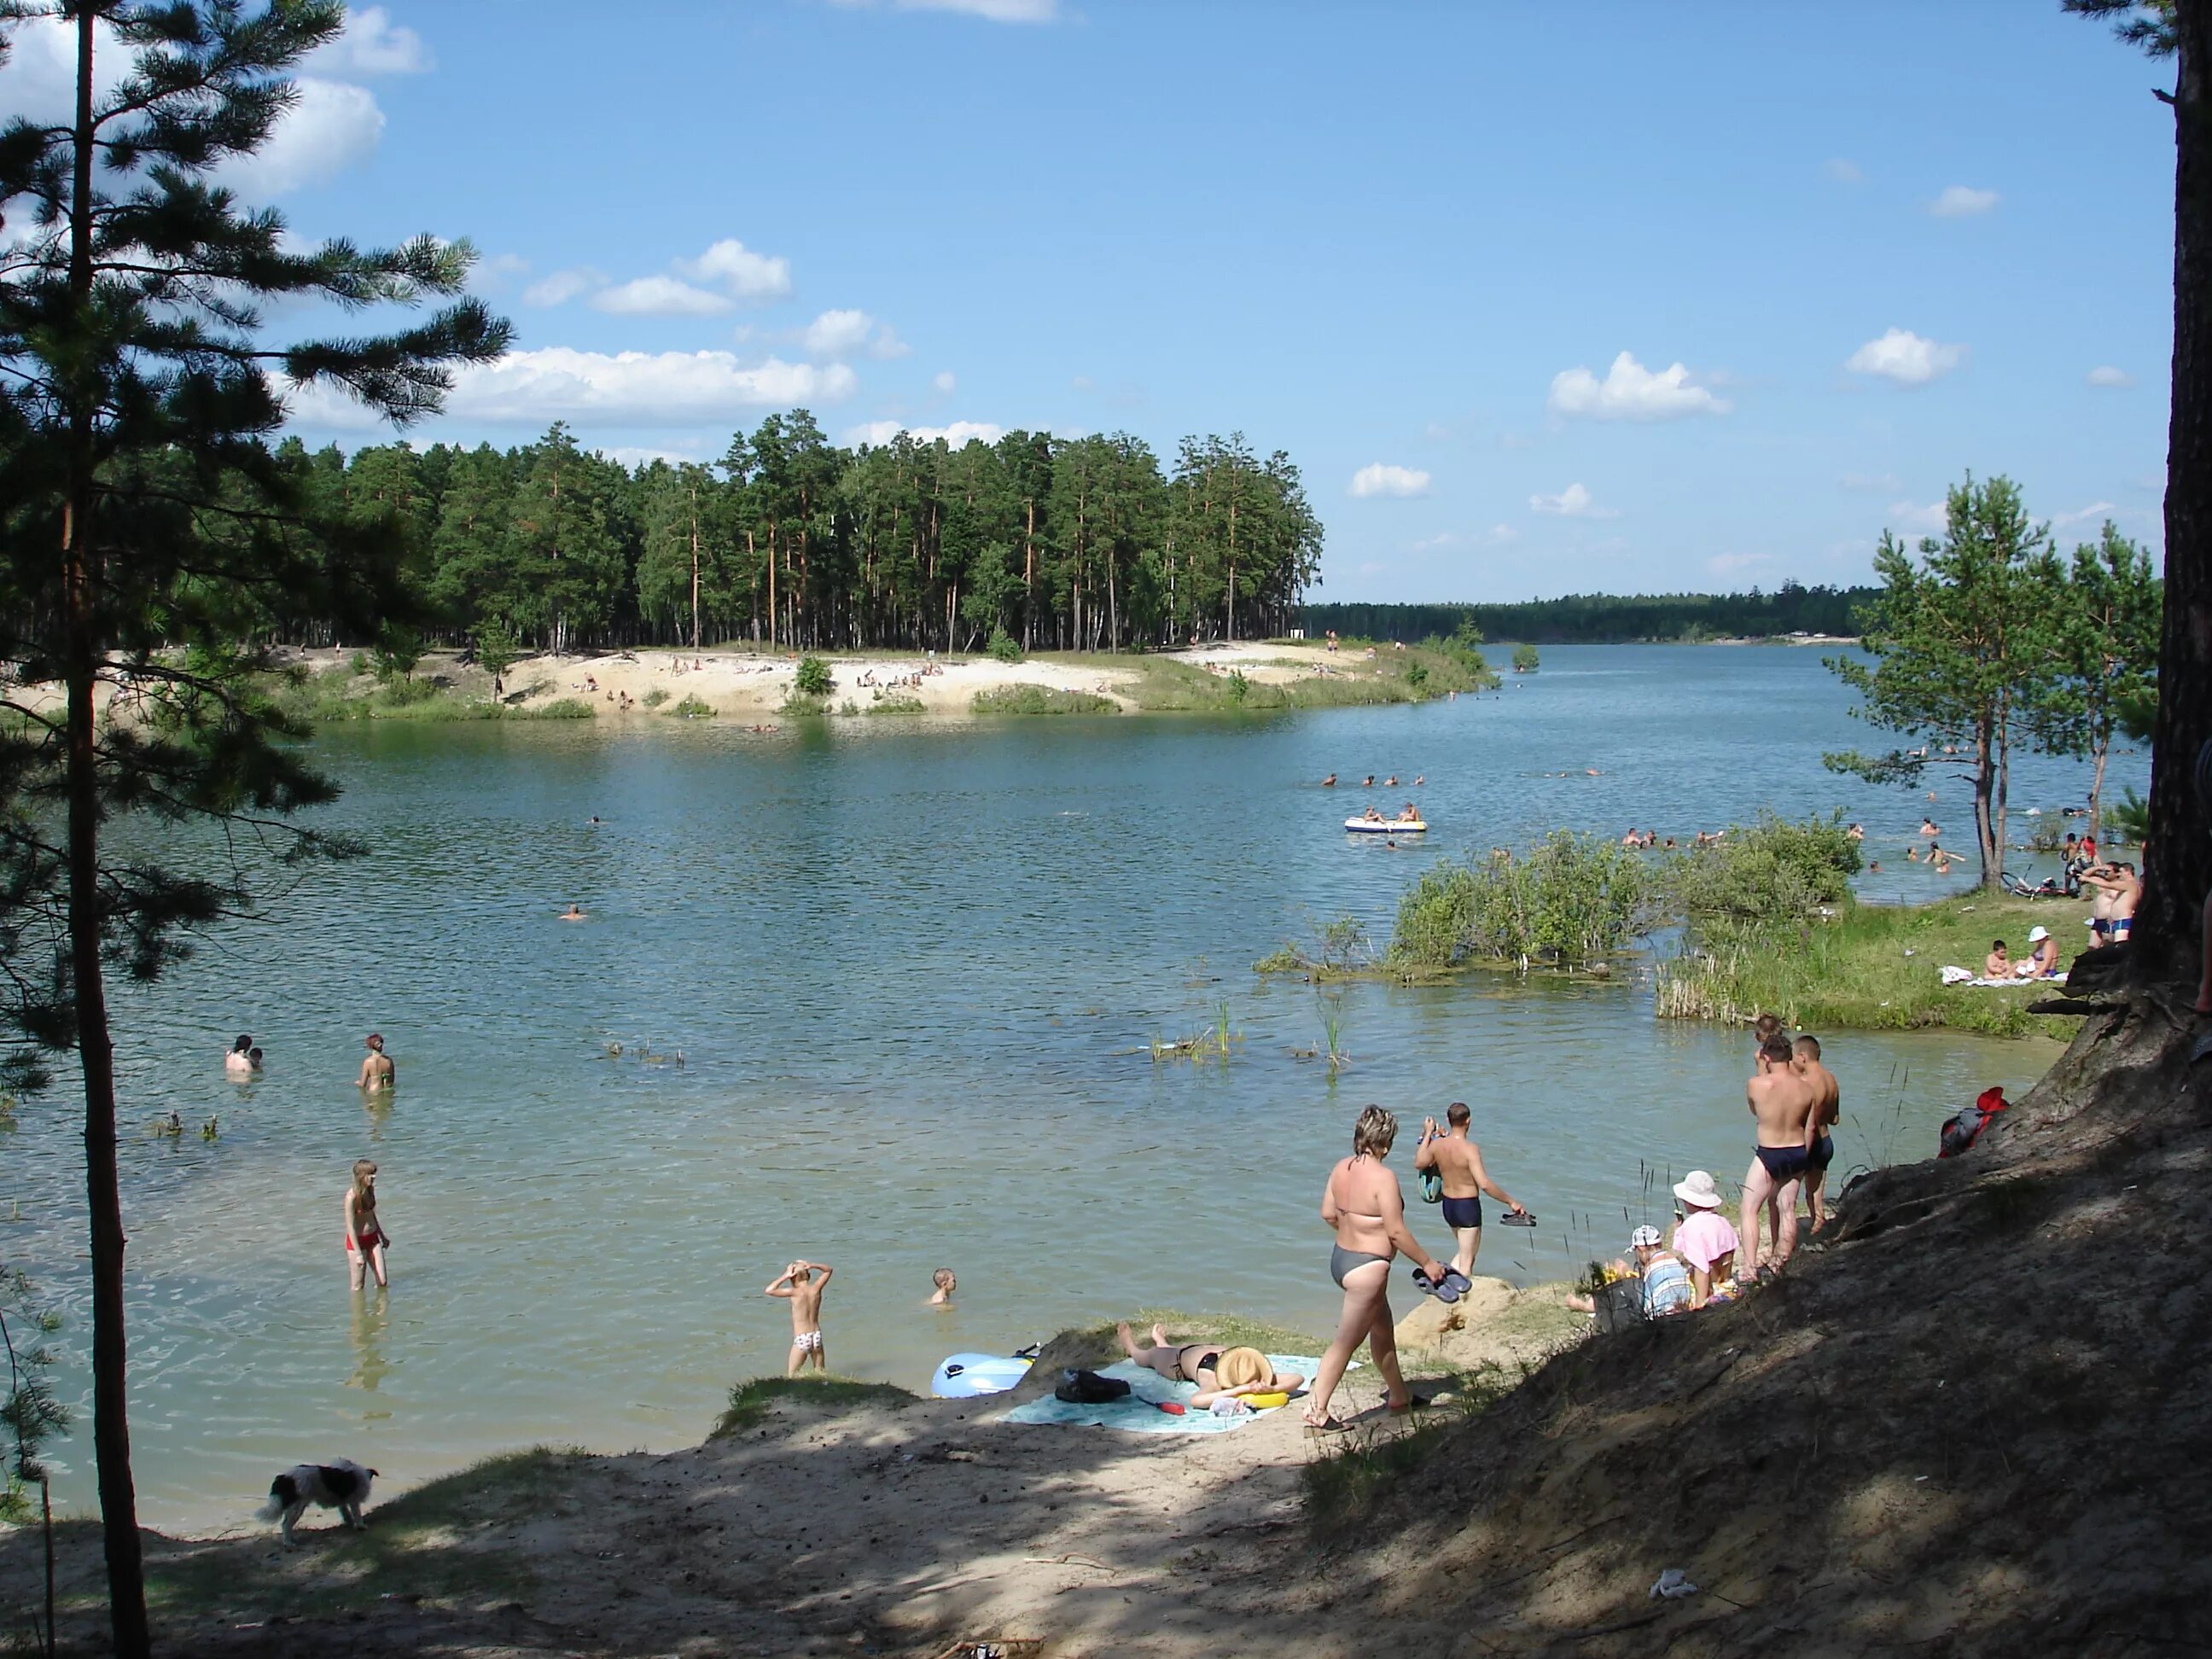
{"points": [[365, 1237], [1219, 1370], [1362, 1204]]}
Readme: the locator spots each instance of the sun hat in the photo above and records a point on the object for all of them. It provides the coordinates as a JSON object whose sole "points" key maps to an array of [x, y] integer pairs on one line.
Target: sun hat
{"points": [[2036, 935], [1642, 1236], [1697, 1190]]}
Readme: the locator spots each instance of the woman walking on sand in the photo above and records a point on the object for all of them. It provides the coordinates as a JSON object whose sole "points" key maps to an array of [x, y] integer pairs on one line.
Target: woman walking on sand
{"points": [[365, 1237], [1362, 1204]]}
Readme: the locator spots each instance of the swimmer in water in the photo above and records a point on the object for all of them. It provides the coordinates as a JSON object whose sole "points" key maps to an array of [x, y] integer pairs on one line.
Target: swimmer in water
{"points": [[946, 1284], [239, 1062], [377, 1071], [573, 913], [1330, 782]]}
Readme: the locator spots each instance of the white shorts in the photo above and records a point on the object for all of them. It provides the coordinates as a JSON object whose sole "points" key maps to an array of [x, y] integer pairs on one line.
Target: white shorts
{"points": [[807, 1342]]}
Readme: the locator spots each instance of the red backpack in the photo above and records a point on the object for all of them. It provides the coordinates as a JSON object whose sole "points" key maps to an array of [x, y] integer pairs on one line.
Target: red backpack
{"points": [[1964, 1130]]}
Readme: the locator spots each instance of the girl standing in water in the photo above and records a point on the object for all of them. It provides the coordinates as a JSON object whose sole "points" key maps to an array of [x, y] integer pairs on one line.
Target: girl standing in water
{"points": [[365, 1237]]}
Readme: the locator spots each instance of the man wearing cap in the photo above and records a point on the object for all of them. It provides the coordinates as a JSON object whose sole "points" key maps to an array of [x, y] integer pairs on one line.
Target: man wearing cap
{"points": [[1702, 1237], [1781, 1104], [2042, 962]]}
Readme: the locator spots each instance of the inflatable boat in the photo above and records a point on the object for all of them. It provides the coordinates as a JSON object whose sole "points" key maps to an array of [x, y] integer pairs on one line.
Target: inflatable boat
{"points": [[1385, 827], [964, 1376]]}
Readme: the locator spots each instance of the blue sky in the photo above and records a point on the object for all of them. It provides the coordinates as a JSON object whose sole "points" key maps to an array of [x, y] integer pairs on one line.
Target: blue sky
{"points": [[1448, 255]]}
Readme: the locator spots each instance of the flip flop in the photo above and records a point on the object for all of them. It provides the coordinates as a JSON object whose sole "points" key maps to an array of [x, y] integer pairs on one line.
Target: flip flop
{"points": [[1456, 1281], [1327, 1425], [1526, 1218], [1445, 1291]]}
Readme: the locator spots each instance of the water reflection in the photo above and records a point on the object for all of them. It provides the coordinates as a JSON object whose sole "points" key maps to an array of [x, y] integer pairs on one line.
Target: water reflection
{"points": [[372, 1318]]}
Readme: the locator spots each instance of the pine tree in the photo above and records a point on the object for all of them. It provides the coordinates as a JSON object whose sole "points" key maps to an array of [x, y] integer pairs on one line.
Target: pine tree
{"points": [[148, 528]]}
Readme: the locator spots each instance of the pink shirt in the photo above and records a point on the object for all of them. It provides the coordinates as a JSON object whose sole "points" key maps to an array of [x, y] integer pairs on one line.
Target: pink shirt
{"points": [[1703, 1239]]}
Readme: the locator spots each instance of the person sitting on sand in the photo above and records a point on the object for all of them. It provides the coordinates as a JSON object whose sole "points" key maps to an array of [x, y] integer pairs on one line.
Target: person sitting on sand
{"points": [[377, 1071], [573, 913], [1703, 1237], [946, 1284], [2041, 962], [1665, 1276], [1361, 1204], [798, 1285], [1222, 1372], [239, 1062], [1998, 964]]}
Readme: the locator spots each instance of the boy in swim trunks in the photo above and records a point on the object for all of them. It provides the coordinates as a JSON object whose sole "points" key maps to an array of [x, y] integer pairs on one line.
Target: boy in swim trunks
{"points": [[798, 1285], [1455, 1157], [1781, 1104], [1827, 1108]]}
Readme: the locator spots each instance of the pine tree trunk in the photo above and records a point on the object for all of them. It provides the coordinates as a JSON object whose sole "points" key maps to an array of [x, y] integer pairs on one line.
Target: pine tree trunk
{"points": [[111, 1423], [1986, 776], [2101, 752], [2179, 859]]}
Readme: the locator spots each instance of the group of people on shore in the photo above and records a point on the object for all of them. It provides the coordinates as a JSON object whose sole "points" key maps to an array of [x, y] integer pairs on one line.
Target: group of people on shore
{"points": [[1795, 1102]]}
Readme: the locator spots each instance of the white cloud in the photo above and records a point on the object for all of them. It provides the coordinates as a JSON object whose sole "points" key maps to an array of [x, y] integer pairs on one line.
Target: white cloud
{"points": [[1501, 535], [372, 44], [658, 296], [2096, 510], [991, 11], [1905, 358], [39, 78], [1630, 391], [1377, 479], [562, 286], [1728, 564], [2105, 374], [879, 433], [1927, 520], [636, 455], [1960, 201], [497, 270], [1872, 483], [944, 382], [739, 272], [841, 334], [332, 126], [1843, 171], [640, 388], [1437, 543], [1572, 502]]}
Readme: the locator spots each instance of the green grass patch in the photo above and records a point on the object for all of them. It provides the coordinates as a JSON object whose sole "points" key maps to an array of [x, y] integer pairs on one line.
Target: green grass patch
{"points": [[1039, 700], [692, 708], [898, 706], [562, 708], [751, 1402], [797, 705], [1873, 967], [1234, 1329], [1343, 1486], [655, 697]]}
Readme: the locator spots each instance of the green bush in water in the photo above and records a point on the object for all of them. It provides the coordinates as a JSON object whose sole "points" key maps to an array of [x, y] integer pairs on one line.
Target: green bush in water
{"points": [[1772, 870], [1572, 899]]}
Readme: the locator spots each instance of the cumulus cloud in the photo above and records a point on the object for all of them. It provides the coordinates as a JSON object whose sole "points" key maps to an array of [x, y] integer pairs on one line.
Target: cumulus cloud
{"points": [[658, 296], [1377, 479], [332, 126], [1960, 201], [1914, 519], [668, 388], [2096, 511], [1572, 502], [1906, 358], [560, 287], [38, 80], [372, 44], [840, 334], [1630, 391], [944, 382], [879, 433], [1728, 564], [738, 270], [2105, 374]]}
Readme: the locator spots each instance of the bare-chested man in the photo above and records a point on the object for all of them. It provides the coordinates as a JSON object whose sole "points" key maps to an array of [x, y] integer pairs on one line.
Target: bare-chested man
{"points": [[1458, 1160], [1827, 1108], [1781, 1104], [2119, 891], [376, 1068]]}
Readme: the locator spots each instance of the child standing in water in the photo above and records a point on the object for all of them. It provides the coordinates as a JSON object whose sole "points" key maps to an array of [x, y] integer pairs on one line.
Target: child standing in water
{"points": [[365, 1237], [798, 1285]]}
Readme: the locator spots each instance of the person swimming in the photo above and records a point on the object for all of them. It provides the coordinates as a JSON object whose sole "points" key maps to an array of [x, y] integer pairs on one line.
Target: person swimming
{"points": [[574, 913]]}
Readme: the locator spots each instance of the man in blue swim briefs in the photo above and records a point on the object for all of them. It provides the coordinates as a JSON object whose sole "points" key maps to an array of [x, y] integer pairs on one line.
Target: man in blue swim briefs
{"points": [[1458, 1160], [1780, 1102]]}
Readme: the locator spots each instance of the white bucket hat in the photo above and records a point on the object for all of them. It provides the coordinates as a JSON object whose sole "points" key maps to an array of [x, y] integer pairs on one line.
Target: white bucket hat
{"points": [[1697, 1190], [2037, 935]]}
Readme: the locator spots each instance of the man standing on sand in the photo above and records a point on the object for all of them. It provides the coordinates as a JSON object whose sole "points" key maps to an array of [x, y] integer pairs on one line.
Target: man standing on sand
{"points": [[377, 1071], [1781, 1104], [1458, 1160], [1827, 1110]]}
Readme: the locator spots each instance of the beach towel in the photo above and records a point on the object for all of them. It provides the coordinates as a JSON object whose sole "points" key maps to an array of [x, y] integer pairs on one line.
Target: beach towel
{"points": [[1140, 1414], [1959, 976]]}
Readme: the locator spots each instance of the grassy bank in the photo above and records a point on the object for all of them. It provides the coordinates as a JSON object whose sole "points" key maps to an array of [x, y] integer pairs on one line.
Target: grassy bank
{"points": [[340, 695], [1164, 685], [1876, 967]]}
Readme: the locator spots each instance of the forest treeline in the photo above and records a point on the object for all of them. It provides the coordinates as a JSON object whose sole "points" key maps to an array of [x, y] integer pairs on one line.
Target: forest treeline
{"points": [[1066, 543], [1607, 618]]}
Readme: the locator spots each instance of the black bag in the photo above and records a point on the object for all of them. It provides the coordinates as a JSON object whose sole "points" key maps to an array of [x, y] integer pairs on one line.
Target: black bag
{"points": [[1088, 1389]]}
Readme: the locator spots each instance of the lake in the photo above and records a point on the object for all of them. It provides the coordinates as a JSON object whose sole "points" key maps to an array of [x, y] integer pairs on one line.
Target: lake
{"points": [[909, 969]]}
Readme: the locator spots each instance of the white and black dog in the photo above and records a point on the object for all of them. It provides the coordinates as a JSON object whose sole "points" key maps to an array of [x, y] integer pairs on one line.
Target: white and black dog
{"points": [[341, 1486]]}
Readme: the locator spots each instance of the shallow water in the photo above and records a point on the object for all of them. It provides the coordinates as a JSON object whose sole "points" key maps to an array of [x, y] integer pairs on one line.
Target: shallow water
{"points": [[906, 966]]}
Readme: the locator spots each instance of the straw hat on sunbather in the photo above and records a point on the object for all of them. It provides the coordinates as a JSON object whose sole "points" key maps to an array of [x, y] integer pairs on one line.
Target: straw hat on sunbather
{"points": [[1697, 1190]]}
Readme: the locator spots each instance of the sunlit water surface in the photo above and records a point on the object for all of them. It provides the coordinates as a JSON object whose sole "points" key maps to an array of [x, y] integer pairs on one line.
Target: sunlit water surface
{"points": [[909, 968]]}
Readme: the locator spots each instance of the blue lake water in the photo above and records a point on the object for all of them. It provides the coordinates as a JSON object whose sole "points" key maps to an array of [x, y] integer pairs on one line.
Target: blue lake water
{"points": [[909, 967]]}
